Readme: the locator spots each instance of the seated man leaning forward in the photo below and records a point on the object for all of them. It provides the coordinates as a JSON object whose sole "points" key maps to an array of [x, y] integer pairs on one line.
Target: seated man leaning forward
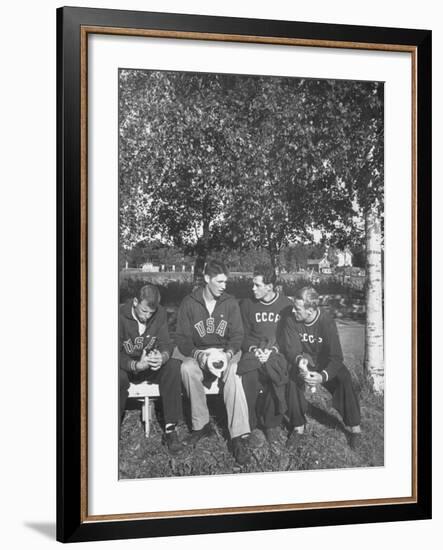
{"points": [[309, 339], [145, 349], [209, 335], [262, 367]]}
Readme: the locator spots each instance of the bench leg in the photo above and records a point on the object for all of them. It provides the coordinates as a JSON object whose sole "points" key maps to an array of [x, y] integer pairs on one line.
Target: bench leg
{"points": [[147, 416]]}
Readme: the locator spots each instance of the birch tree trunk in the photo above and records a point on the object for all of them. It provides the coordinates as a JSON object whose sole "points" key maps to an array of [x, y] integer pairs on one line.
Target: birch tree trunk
{"points": [[374, 353]]}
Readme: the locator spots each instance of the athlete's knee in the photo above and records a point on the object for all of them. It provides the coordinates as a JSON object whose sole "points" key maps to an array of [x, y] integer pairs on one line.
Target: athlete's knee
{"points": [[171, 371], [172, 365], [250, 379], [190, 369], [123, 379], [344, 376], [230, 373]]}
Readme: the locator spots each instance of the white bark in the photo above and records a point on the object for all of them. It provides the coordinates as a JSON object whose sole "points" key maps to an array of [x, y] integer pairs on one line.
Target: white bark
{"points": [[374, 352]]}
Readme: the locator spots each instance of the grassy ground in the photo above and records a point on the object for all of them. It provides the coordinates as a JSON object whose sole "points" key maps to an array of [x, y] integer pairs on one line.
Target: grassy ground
{"points": [[324, 445]]}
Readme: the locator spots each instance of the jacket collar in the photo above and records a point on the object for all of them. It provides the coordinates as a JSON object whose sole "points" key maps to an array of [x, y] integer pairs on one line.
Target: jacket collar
{"points": [[126, 310], [197, 294], [316, 318]]}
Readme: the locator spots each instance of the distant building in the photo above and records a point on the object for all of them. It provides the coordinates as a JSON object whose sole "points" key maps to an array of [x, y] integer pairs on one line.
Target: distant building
{"points": [[313, 264], [344, 258], [149, 266], [321, 265]]}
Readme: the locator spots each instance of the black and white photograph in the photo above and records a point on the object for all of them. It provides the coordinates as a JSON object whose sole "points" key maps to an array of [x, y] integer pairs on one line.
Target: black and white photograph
{"points": [[218, 223], [251, 269]]}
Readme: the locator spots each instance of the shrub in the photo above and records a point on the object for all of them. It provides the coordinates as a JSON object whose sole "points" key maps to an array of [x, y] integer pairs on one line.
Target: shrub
{"points": [[173, 290]]}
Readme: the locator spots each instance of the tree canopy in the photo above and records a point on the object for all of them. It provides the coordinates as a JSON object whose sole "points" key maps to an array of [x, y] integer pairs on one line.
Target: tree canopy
{"points": [[215, 161]]}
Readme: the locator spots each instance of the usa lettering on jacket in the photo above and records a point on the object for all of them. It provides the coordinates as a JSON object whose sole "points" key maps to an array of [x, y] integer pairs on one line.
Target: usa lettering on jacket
{"points": [[137, 345], [208, 327], [305, 337], [267, 317]]}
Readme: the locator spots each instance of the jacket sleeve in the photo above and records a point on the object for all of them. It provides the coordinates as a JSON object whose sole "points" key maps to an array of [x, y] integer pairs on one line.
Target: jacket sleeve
{"points": [[333, 355], [164, 341], [183, 335], [288, 338], [126, 362], [245, 315], [236, 332]]}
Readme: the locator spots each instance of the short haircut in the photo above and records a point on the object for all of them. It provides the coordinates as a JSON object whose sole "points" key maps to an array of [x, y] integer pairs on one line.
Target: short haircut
{"points": [[309, 296], [214, 268], [267, 272], [151, 295]]}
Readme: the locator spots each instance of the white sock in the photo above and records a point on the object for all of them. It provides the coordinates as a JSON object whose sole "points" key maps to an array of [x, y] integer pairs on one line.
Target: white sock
{"points": [[354, 429]]}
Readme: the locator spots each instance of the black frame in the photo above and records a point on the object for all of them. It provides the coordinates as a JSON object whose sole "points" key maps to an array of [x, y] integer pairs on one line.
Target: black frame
{"points": [[71, 527]]}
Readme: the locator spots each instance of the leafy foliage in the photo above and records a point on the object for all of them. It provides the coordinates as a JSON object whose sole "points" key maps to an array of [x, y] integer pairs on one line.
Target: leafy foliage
{"points": [[216, 161]]}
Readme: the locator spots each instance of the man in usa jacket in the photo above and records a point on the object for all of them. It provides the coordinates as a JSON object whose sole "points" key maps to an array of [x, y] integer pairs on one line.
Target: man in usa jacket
{"points": [[145, 354], [209, 319]]}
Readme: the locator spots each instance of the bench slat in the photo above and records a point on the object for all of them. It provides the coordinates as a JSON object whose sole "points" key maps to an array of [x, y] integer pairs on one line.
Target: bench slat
{"points": [[145, 389]]}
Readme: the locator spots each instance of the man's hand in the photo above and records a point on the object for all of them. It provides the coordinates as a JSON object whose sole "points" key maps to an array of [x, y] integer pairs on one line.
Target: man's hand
{"points": [[143, 363], [262, 354], [154, 359], [312, 379], [303, 365]]}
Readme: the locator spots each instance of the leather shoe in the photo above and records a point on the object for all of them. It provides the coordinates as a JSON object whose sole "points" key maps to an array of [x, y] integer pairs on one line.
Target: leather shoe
{"points": [[172, 442], [293, 440], [272, 435], [355, 441], [255, 439], [240, 451], [196, 435]]}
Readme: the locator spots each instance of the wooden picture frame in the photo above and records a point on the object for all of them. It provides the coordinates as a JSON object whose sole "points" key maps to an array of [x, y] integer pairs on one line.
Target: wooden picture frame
{"points": [[74, 26]]}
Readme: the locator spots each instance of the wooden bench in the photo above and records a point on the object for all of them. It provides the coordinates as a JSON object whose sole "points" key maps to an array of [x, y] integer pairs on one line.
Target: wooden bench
{"points": [[145, 391]]}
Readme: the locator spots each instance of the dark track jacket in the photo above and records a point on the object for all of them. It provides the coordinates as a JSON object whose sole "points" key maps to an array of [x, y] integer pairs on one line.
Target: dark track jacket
{"points": [[319, 339], [197, 330], [260, 320], [132, 343]]}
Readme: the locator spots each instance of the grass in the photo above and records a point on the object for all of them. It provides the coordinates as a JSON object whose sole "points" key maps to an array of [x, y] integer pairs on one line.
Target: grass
{"points": [[324, 446]]}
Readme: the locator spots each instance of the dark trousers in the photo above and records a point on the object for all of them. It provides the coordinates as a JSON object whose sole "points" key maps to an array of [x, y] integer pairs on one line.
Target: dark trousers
{"points": [[344, 398], [262, 408], [169, 384]]}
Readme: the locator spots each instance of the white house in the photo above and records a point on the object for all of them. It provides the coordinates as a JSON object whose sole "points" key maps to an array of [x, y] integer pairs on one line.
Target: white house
{"points": [[321, 265], [344, 258]]}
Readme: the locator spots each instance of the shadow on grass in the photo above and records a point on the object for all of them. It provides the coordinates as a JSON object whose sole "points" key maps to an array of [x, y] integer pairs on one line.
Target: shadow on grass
{"points": [[216, 408], [325, 418]]}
